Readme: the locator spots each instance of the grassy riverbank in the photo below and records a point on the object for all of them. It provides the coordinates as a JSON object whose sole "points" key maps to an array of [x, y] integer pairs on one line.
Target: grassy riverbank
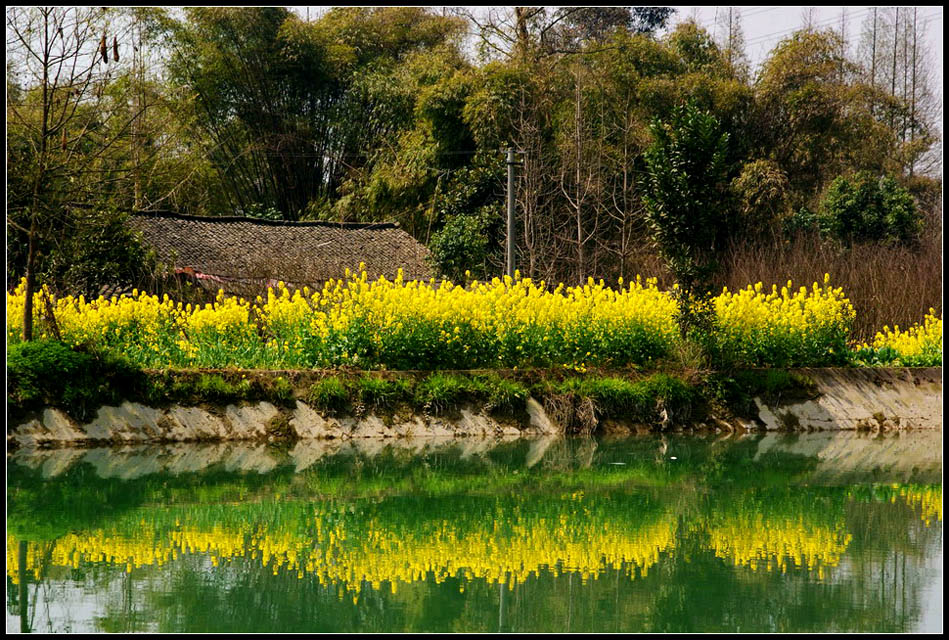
{"points": [[51, 374]]}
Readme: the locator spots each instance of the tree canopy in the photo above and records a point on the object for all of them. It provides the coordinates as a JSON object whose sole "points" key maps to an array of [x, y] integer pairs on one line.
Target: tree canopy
{"points": [[405, 114]]}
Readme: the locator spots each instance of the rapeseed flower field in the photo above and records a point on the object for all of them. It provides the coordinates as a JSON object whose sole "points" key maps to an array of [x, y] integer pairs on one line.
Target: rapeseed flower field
{"points": [[919, 345], [504, 323]]}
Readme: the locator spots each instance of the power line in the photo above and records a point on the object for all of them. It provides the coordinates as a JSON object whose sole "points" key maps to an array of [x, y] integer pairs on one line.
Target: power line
{"points": [[820, 23], [829, 21], [760, 11], [350, 156]]}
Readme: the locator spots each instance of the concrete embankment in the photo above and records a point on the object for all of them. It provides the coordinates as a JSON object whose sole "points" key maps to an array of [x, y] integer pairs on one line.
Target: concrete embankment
{"points": [[133, 423], [862, 399], [879, 399]]}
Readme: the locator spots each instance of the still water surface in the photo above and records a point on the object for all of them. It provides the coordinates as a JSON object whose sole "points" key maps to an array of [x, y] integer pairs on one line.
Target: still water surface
{"points": [[813, 532]]}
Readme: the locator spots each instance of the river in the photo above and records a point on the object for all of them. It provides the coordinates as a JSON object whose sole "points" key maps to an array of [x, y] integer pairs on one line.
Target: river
{"points": [[820, 532]]}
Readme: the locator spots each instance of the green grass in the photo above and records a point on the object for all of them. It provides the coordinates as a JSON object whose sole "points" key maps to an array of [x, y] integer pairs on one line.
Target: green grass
{"points": [[329, 394], [639, 401], [380, 393], [441, 391]]}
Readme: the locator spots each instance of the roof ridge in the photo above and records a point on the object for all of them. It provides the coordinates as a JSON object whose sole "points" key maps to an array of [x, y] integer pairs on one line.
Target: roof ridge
{"points": [[272, 223]]}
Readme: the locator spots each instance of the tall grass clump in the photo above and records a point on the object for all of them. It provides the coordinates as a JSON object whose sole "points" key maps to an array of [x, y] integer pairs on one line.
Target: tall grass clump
{"points": [[329, 394], [886, 284], [380, 393], [502, 394], [441, 391], [641, 400]]}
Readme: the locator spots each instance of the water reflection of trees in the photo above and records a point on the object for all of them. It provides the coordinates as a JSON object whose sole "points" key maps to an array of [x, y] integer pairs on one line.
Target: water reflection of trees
{"points": [[575, 543]]}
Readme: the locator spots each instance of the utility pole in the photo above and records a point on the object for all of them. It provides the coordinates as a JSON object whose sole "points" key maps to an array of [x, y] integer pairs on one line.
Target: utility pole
{"points": [[509, 256]]}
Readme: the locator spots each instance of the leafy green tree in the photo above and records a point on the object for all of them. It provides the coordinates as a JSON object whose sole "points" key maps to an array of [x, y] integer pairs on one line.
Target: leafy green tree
{"points": [[695, 47], [467, 243], [280, 99], [572, 27], [686, 198], [815, 118], [868, 207], [650, 19], [412, 171]]}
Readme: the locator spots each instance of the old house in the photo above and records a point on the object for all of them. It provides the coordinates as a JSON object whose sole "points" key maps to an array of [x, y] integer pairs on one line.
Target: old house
{"points": [[243, 256]]}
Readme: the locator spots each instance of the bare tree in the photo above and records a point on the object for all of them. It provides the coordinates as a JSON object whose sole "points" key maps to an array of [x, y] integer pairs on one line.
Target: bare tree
{"points": [[733, 38], [537, 188], [580, 175], [892, 54], [63, 116]]}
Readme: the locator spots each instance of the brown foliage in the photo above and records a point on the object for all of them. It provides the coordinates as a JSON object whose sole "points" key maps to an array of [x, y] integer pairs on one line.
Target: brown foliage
{"points": [[887, 284]]}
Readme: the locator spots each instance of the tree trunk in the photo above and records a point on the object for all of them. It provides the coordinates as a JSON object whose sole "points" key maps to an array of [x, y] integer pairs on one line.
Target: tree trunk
{"points": [[523, 41], [37, 185], [873, 51], [905, 70], [578, 141], [912, 117], [30, 278], [896, 47]]}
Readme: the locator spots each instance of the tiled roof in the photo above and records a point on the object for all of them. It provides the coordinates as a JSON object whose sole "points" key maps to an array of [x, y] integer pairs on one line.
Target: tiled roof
{"points": [[249, 249]]}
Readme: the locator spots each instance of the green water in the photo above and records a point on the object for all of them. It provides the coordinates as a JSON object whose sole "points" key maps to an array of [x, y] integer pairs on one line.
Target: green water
{"points": [[683, 533]]}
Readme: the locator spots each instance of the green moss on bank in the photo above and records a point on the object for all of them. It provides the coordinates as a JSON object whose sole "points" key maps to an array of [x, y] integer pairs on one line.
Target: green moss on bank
{"points": [[50, 374]]}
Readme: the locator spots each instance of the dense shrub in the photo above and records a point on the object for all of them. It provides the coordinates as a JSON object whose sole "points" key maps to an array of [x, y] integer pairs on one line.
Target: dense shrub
{"points": [[465, 243], [761, 191], [867, 207], [641, 401], [802, 220], [50, 373]]}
